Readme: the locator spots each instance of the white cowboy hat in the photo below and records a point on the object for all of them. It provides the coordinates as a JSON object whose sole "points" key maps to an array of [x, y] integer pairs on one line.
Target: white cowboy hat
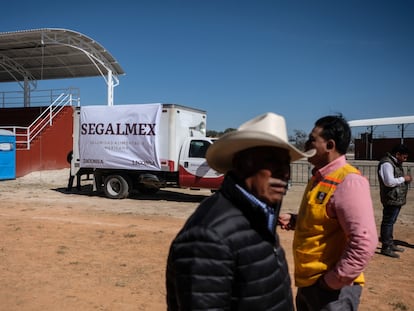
{"points": [[268, 129]]}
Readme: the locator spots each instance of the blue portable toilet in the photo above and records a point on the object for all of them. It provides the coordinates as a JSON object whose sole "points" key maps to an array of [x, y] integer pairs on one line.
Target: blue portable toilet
{"points": [[7, 155]]}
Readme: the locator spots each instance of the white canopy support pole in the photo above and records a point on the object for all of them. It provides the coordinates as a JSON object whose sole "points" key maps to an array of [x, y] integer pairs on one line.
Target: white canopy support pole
{"points": [[93, 54], [110, 83]]}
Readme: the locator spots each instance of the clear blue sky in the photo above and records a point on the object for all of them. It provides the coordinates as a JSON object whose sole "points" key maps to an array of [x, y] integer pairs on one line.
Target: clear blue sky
{"points": [[237, 59]]}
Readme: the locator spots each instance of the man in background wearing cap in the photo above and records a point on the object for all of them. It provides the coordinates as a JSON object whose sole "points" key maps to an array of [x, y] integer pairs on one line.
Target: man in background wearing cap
{"points": [[228, 256], [335, 232]]}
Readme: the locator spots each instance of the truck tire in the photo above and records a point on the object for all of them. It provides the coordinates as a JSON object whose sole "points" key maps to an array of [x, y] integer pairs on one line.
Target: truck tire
{"points": [[116, 187], [148, 184]]}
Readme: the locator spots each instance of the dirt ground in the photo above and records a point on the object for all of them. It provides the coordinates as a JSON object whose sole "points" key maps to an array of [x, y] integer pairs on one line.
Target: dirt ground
{"points": [[81, 251]]}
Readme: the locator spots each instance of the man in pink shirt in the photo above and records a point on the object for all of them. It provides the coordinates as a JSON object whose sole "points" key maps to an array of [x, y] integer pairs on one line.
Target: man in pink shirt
{"points": [[335, 231]]}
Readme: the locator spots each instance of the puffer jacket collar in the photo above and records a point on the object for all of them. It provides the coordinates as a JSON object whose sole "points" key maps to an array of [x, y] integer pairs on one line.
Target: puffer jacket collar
{"points": [[252, 212]]}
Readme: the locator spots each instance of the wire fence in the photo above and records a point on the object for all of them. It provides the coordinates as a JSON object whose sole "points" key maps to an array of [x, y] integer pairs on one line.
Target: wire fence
{"points": [[301, 171], [37, 98]]}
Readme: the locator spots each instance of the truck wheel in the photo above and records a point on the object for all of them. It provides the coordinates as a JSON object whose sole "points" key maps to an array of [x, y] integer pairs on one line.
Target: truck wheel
{"points": [[116, 187], [148, 184]]}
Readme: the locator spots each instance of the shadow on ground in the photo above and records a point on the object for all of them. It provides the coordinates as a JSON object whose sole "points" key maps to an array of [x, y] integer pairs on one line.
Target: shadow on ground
{"points": [[403, 243], [163, 194]]}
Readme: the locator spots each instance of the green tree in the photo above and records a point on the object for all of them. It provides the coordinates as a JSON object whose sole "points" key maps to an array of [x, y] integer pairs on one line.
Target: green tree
{"points": [[213, 133], [230, 129], [299, 139]]}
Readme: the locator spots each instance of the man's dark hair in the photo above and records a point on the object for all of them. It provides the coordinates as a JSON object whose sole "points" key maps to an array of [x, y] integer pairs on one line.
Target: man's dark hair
{"points": [[400, 148], [336, 128]]}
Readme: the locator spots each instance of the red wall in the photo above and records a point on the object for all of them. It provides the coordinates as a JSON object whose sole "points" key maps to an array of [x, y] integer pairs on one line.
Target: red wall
{"points": [[379, 147], [49, 150]]}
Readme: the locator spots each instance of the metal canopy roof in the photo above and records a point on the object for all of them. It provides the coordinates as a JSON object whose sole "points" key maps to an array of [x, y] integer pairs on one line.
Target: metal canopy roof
{"points": [[42, 54], [401, 122], [382, 121]]}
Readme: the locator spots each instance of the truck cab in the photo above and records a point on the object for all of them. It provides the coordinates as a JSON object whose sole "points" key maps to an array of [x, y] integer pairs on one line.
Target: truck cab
{"points": [[194, 171]]}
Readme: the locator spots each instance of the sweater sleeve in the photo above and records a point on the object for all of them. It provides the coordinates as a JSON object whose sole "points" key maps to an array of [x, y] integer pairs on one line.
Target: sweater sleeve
{"points": [[200, 271], [353, 208], [387, 174]]}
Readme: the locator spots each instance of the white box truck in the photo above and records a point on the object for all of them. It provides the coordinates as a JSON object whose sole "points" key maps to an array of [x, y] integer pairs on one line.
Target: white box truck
{"points": [[142, 147]]}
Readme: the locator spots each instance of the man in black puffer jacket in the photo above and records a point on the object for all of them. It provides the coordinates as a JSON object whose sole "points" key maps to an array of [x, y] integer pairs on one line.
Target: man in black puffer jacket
{"points": [[228, 256]]}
